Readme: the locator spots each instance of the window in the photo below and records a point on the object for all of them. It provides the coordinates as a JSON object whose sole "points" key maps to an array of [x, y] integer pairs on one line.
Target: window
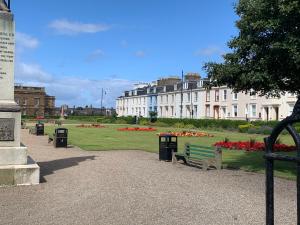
{"points": [[207, 96], [253, 110], [173, 98], [172, 110], [217, 95], [195, 112], [151, 100], [235, 96], [224, 112], [36, 102], [225, 95], [207, 110], [161, 99], [235, 110], [167, 98], [188, 97], [196, 96]]}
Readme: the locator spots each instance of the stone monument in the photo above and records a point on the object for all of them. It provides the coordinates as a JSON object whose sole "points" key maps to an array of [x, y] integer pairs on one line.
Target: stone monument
{"points": [[16, 168]]}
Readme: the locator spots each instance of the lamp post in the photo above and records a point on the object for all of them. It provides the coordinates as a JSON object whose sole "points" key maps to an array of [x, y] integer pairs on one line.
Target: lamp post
{"points": [[181, 99]]}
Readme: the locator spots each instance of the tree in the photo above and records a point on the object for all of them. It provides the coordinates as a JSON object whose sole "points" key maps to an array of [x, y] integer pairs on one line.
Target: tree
{"points": [[265, 55]]}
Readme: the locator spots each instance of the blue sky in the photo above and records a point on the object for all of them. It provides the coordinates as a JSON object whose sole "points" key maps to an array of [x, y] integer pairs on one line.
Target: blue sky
{"points": [[75, 48]]}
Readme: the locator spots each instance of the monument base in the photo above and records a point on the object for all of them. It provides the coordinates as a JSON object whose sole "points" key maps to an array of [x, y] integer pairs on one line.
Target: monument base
{"points": [[13, 155], [28, 174]]}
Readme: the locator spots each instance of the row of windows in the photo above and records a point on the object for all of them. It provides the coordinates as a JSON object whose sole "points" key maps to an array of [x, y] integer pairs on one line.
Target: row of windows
{"points": [[24, 102], [188, 96], [153, 100], [250, 110]]}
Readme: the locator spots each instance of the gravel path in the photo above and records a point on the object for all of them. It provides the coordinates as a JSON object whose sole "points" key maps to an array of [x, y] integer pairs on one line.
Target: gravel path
{"points": [[134, 188]]}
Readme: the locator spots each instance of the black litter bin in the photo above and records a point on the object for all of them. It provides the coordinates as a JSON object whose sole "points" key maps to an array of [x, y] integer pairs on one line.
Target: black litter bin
{"points": [[60, 138], [39, 127], [167, 145]]}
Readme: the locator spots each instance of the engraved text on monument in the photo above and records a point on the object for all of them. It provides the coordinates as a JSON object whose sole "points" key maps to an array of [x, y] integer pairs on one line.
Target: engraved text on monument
{"points": [[7, 129]]}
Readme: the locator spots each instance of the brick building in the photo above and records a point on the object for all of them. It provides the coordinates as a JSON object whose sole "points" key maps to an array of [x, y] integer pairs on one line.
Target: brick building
{"points": [[34, 101]]}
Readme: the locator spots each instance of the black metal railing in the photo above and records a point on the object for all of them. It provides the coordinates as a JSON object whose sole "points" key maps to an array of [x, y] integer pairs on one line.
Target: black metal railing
{"points": [[270, 157]]}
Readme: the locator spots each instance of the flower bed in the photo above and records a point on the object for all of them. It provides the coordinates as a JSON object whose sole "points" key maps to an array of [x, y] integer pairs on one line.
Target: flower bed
{"points": [[91, 126], [187, 134], [253, 146], [137, 129]]}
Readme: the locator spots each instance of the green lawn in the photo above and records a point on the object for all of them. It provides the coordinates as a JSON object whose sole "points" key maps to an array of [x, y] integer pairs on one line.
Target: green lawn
{"points": [[93, 139]]}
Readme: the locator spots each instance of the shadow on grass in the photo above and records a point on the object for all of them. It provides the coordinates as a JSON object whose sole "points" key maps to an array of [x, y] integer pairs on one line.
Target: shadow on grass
{"points": [[50, 167], [254, 162]]}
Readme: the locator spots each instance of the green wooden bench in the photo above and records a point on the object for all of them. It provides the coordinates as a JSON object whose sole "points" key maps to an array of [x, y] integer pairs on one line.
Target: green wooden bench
{"points": [[200, 155]]}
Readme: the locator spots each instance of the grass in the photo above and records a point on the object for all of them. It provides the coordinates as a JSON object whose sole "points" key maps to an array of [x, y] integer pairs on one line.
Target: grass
{"points": [[108, 138]]}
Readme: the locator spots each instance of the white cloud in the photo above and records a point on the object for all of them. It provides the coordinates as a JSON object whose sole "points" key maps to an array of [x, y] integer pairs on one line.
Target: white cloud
{"points": [[140, 54], [73, 90], [67, 27], [26, 41], [93, 56], [209, 51], [32, 72]]}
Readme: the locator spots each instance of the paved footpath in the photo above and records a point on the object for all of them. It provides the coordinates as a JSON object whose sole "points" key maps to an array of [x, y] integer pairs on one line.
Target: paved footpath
{"points": [[134, 188]]}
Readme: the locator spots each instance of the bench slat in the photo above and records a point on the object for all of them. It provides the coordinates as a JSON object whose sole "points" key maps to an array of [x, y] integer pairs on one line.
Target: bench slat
{"points": [[201, 146], [195, 154], [202, 150]]}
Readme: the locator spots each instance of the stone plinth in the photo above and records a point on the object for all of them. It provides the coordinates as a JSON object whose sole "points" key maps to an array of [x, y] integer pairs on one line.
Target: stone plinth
{"points": [[27, 174], [13, 155]]}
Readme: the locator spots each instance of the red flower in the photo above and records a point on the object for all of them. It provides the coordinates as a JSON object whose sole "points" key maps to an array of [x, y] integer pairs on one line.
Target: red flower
{"points": [[254, 147], [137, 129]]}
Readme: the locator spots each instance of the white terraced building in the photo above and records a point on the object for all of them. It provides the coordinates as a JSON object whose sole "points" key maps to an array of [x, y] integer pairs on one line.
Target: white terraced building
{"points": [[171, 98]]}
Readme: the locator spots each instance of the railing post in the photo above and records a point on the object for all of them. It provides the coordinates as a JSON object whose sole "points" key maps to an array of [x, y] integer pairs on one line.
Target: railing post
{"points": [[269, 186], [270, 157]]}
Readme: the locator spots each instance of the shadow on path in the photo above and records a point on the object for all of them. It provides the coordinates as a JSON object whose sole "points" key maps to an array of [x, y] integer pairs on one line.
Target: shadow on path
{"points": [[50, 167]]}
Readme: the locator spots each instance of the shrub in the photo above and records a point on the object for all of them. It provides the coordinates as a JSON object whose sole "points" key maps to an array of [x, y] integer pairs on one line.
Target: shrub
{"points": [[245, 128], [160, 124], [144, 122], [120, 121], [179, 125], [253, 130], [232, 125], [226, 140], [189, 126], [265, 130]]}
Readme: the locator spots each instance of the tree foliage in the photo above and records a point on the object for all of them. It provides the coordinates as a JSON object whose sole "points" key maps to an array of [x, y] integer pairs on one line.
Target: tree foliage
{"points": [[265, 55]]}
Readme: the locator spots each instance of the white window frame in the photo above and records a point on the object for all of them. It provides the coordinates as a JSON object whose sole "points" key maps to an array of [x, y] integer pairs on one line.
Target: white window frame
{"points": [[235, 114], [235, 96], [225, 95], [253, 113]]}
